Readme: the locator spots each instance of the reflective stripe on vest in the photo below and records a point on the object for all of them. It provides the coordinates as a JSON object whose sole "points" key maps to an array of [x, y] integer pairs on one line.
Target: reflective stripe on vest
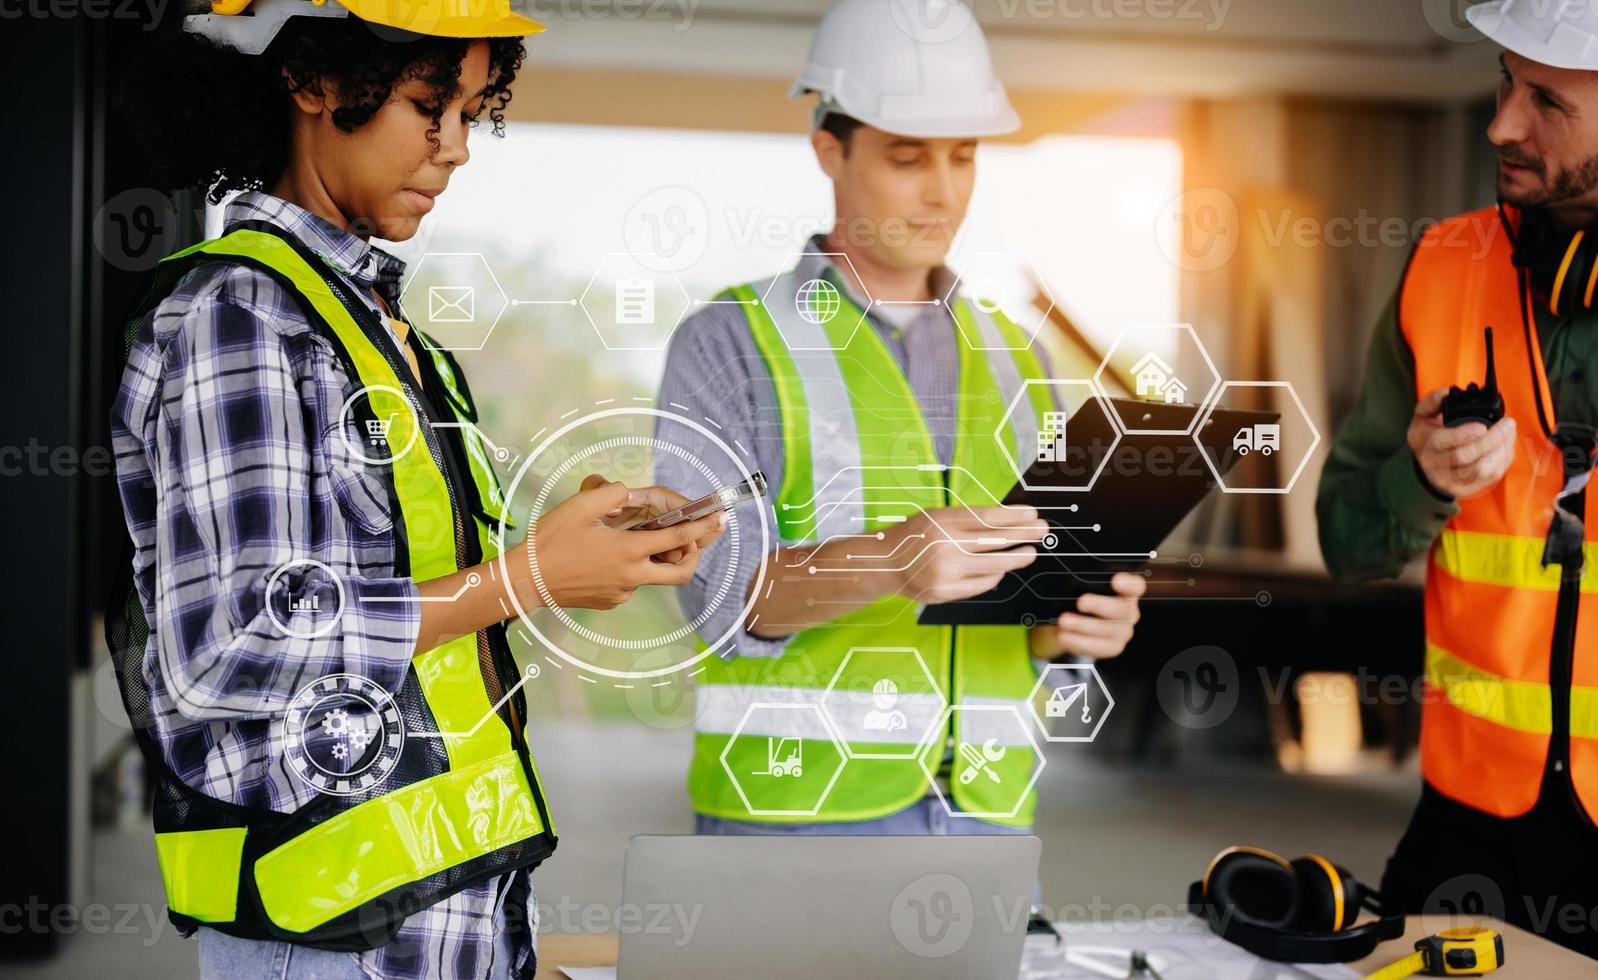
{"points": [[858, 457], [1490, 605], [485, 482], [1505, 559], [483, 798]]}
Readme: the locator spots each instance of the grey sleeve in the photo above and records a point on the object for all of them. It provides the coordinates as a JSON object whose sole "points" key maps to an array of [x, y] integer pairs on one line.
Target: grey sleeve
{"points": [[716, 377]]}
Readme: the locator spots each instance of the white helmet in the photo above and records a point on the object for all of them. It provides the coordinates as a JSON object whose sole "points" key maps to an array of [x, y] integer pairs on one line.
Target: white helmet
{"points": [[909, 67], [1558, 33]]}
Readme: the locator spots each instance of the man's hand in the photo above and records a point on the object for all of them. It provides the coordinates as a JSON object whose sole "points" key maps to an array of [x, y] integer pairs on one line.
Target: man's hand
{"points": [[956, 552], [1462, 461], [1100, 628]]}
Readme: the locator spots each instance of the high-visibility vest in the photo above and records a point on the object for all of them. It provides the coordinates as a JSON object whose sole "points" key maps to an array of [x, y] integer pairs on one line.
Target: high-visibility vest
{"points": [[1489, 715], [343, 871], [858, 457]]}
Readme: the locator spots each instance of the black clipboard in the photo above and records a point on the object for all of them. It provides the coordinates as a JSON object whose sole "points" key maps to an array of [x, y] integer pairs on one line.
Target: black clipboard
{"points": [[1146, 483]]}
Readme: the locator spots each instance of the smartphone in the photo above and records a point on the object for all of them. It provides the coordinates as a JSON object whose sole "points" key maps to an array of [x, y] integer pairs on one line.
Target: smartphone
{"points": [[724, 499]]}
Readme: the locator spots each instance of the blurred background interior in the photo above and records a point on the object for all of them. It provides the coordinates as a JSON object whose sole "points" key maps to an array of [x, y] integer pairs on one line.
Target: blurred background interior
{"points": [[1256, 168]]}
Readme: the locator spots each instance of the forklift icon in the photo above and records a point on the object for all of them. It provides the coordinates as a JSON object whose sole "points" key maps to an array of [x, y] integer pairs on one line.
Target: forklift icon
{"points": [[784, 757]]}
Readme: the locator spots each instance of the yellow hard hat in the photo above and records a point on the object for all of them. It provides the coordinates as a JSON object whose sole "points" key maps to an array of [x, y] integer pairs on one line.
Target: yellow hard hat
{"points": [[250, 25]]}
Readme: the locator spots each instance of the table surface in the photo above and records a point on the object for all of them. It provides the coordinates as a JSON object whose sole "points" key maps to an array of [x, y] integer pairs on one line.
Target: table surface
{"points": [[1525, 955]]}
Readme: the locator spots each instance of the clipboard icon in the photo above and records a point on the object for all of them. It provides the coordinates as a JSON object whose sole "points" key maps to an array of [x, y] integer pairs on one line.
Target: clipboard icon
{"points": [[1061, 699]]}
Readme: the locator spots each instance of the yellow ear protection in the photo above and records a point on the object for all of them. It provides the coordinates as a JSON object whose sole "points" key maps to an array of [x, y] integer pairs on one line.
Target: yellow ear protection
{"points": [[1563, 268], [1301, 911]]}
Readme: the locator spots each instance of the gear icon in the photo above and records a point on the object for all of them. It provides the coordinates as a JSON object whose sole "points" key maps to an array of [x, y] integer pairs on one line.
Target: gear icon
{"points": [[336, 723], [344, 750]]}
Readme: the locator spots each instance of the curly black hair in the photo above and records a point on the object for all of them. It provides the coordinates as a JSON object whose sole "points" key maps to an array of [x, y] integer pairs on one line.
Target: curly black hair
{"points": [[208, 116]]}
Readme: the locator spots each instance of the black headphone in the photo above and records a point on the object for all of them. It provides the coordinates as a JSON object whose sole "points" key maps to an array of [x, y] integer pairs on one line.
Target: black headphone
{"points": [[1563, 268], [1299, 911]]}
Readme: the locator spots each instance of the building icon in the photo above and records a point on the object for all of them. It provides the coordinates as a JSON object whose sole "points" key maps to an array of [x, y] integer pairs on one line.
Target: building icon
{"points": [[1051, 438], [1155, 381]]}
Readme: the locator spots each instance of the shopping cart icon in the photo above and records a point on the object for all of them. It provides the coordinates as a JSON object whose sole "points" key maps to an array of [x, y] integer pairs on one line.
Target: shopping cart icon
{"points": [[377, 430]]}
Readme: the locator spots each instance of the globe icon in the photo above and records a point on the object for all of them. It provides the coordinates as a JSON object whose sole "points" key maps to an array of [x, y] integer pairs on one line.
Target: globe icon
{"points": [[817, 301]]}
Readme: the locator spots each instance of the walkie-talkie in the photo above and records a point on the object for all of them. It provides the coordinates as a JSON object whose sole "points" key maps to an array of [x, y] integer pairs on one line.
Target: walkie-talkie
{"points": [[1473, 404]]}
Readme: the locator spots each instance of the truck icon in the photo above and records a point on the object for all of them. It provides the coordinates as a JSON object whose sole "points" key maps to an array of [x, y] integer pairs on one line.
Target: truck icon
{"points": [[784, 757], [1264, 438]]}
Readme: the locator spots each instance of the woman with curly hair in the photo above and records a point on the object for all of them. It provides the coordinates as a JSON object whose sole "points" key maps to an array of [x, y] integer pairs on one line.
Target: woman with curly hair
{"points": [[312, 650]]}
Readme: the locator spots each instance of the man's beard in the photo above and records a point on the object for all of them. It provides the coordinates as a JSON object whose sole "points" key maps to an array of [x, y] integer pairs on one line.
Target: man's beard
{"points": [[1567, 184]]}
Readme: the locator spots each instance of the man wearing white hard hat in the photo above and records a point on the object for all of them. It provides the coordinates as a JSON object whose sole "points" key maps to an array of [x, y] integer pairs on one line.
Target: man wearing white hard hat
{"points": [[873, 396], [1490, 486]]}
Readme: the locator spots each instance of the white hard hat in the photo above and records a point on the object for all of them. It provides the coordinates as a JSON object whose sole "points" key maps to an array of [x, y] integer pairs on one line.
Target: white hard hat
{"points": [[1558, 33], [909, 67]]}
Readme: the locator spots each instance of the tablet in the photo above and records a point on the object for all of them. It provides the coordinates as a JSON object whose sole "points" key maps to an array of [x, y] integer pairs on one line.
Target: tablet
{"points": [[1128, 494]]}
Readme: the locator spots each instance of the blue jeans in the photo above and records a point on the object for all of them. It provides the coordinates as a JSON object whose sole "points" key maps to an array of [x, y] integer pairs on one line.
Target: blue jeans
{"points": [[224, 957], [926, 817]]}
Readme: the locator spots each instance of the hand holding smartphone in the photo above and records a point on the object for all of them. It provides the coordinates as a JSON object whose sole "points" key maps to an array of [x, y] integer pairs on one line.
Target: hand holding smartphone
{"points": [[720, 500]]}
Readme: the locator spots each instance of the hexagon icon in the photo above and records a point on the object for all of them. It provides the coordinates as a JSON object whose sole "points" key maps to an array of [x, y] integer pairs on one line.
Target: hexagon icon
{"points": [[1143, 357], [1253, 458], [990, 283], [1079, 407], [783, 759], [817, 302], [883, 702], [455, 299], [632, 305], [988, 733], [1075, 702]]}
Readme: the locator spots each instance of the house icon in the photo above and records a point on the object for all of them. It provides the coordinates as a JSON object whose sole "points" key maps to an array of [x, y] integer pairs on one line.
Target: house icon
{"points": [[1155, 380]]}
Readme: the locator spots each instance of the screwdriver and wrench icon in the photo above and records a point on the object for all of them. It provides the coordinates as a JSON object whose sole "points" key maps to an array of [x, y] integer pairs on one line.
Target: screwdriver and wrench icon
{"points": [[978, 760]]}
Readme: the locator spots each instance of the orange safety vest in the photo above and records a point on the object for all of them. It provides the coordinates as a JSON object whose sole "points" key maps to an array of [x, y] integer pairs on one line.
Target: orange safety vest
{"points": [[1497, 680]]}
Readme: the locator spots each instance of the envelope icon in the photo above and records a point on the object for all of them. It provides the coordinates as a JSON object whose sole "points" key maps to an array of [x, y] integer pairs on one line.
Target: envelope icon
{"points": [[451, 304]]}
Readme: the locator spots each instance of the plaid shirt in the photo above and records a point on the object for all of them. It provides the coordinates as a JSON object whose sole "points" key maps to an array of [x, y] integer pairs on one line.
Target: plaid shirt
{"points": [[230, 463]]}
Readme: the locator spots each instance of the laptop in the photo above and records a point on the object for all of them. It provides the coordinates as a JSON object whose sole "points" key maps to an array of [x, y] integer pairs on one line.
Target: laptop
{"points": [[889, 908]]}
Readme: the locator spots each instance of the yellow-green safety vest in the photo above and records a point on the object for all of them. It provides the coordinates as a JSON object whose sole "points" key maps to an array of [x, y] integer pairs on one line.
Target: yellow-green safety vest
{"points": [[857, 457], [343, 871]]}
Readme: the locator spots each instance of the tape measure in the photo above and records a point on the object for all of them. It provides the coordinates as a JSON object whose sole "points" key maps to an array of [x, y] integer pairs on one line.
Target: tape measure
{"points": [[1468, 951]]}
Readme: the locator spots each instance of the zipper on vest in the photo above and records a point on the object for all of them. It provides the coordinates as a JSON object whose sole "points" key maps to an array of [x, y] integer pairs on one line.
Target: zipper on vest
{"points": [[1561, 664], [954, 644]]}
